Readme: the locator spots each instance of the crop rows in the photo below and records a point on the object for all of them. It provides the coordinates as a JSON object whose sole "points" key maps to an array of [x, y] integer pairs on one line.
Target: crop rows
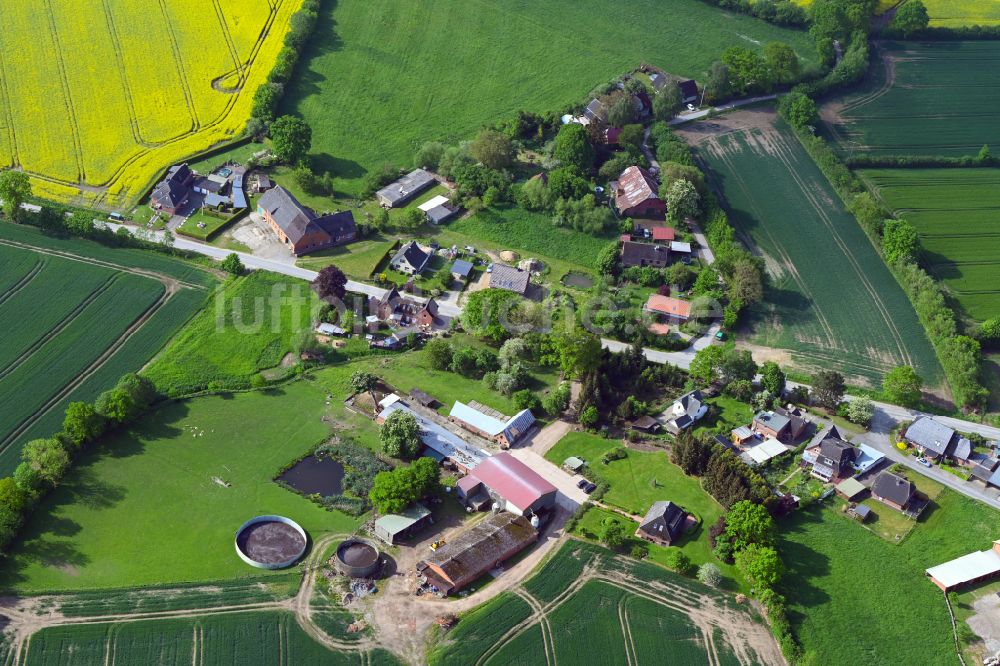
{"points": [[248, 639], [587, 628], [955, 213], [16, 269], [560, 571], [656, 630], [480, 629], [25, 392], [938, 98], [830, 300], [526, 649]]}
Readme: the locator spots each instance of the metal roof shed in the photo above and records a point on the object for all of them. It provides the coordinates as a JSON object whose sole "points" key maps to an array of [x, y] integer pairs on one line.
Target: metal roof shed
{"points": [[391, 527]]}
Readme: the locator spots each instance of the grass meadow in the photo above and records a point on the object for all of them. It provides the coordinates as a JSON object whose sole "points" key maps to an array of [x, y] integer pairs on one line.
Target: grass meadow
{"points": [[144, 508], [383, 77], [122, 108], [934, 98], [75, 331], [841, 576], [954, 211], [249, 639], [830, 302]]}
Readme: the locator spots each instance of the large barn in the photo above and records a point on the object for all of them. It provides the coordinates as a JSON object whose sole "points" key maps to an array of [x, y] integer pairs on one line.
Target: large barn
{"points": [[301, 228]]}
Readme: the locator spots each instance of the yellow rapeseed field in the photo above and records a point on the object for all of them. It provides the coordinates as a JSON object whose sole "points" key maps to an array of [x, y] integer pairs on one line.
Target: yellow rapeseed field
{"points": [[97, 98], [958, 13]]}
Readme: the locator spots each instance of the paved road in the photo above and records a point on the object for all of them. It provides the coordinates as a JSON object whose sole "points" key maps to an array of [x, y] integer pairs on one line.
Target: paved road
{"points": [[682, 359]]}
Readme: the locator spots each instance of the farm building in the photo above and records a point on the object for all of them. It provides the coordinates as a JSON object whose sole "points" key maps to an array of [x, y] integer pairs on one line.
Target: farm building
{"points": [[673, 310], [423, 398], [893, 490], [441, 444], [410, 259], [662, 524], [476, 551], [932, 438], [635, 195], [437, 210], [681, 248], [644, 254], [686, 410], [972, 568], [764, 452], [657, 233], [461, 269], [330, 329], [405, 189], [393, 528], [300, 227], [506, 480], [509, 278], [491, 424], [173, 191]]}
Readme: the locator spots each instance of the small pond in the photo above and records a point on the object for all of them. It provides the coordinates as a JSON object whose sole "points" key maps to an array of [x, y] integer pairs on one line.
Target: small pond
{"points": [[577, 279], [313, 475]]}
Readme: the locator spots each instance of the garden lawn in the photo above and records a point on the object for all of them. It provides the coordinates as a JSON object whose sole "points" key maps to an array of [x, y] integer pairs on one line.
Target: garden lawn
{"points": [[841, 576], [933, 98], [830, 300], [642, 478], [358, 260], [144, 509], [380, 79], [954, 211]]}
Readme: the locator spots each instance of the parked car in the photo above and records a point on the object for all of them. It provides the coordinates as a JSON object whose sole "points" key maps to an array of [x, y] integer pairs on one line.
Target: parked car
{"points": [[590, 487], [924, 461], [582, 483]]}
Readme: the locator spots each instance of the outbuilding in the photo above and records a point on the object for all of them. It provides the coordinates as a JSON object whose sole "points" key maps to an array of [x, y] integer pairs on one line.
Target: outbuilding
{"points": [[395, 527], [509, 482]]}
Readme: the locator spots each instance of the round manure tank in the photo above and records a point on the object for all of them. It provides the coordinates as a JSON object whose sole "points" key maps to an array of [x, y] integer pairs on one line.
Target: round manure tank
{"points": [[270, 542], [358, 558]]}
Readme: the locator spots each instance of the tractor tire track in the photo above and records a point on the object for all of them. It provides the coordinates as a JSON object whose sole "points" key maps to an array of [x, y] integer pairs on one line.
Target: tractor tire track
{"points": [[630, 658], [228, 37], [23, 282], [116, 46], [181, 70], [60, 59], [5, 98], [59, 327]]}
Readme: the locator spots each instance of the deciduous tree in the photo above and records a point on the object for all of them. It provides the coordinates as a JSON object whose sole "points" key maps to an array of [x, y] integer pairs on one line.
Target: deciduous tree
{"points": [[911, 17], [902, 386], [400, 435], [291, 138], [232, 264], [15, 188], [667, 102], [82, 423], [493, 149], [330, 284], [760, 564], [573, 147], [828, 388]]}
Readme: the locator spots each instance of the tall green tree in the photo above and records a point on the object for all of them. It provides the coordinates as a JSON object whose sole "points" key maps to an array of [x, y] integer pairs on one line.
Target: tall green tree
{"points": [[15, 188], [82, 423], [47, 458], [493, 149], [747, 69], [364, 382], [902, 386], [772, 378], [683, 201], [400, 435], [760, 564], [911, 17], [900, 242], [828, 388], [573, 148], [750, 523], [667, 102], [291, 138], [782, 62]]}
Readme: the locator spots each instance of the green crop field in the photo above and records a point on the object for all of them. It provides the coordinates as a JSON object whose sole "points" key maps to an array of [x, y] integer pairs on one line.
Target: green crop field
{"points": [[248, 639], [159, 481], [935, 98], [841, 576], [831, 302], [954, 211], [83, 320], [959, 13], [383, 77], [594, 607]]}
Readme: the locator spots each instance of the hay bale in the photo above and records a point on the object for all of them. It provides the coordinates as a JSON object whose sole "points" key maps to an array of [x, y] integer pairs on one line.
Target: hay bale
{"points": [[508, 256]]}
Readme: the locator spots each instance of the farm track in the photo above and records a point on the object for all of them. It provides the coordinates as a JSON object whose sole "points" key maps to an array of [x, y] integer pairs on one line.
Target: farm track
{"points": [[60, 59], [630, 657], [24, 281], [92, 369], [59, 326], [228, 37]]}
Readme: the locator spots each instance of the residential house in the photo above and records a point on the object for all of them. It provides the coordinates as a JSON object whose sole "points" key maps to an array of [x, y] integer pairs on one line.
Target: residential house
{"points": [[673, 310], [596, 111], [635, 195], [171, 193], [644, 254], [932, 438], [410, 259], [962, 453], [393, 528], [491, 424], [402, 191], [510, 483], [477, 550], [461, 269], [835, 461], [968, 569], [642, 104], [658, 80], [987, 469], [663, 523], [689, 91], [797, 425], [657, 233], [401, 310], [686, 410], [772, 424], [893, 490], [509, 278], [301, 228], [611, 135]]}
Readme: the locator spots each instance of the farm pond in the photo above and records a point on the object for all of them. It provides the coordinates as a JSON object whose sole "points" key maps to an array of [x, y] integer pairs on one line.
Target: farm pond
{"points": [[315, 475]]}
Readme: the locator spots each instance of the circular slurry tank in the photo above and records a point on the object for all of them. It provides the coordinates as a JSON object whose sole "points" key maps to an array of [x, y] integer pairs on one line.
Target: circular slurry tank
{"points": [[358, 558], [270, 542]]}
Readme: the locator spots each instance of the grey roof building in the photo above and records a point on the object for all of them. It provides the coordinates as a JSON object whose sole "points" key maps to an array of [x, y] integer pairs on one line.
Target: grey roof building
{"points": [[596, 111], [410, 259], [963, 450], [663, 523], [984, 469], [933, 437], [439, 214], [404, 189], [171, 192], [302, 228], [893, 490], [461, 268], [509, 278]]}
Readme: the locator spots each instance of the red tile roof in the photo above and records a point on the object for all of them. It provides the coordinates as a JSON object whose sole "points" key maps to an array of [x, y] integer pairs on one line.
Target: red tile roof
{"points": [[512, 479], [674, 307], [663, 233]]}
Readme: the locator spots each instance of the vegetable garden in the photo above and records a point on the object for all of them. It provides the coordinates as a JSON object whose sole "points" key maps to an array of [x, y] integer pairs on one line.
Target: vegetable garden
{"points": [[954, 211], [121, 105], [831, 301]]}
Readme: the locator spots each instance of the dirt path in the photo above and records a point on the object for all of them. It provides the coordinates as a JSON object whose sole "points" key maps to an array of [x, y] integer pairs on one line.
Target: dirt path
{"points": [[549, 436]]}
